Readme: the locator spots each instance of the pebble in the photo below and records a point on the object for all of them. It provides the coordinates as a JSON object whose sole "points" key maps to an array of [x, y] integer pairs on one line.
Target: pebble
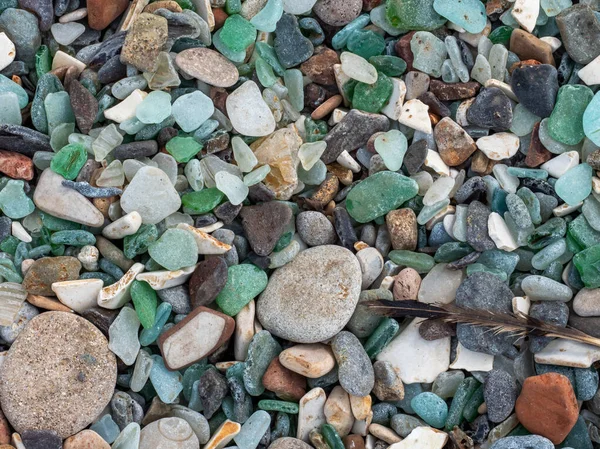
{"points": [[551, 418], [500, 394], [169, 433], [310, 360], [321, 309], [208, 66], [81, 369], [85, 439]]}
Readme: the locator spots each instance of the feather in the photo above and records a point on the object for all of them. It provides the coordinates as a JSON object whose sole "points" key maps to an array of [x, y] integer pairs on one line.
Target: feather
{"points": [[498, 322]]}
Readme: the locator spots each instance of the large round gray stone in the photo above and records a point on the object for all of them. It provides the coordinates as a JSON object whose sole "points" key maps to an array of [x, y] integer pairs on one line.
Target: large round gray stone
{"points": [[313, 297]]}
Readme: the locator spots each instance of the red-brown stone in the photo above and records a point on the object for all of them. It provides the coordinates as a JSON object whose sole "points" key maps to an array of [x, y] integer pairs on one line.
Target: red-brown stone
{"points": [[16, 165]]}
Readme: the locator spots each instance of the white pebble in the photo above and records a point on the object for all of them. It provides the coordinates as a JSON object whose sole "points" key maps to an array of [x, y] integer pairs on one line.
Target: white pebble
{"points": [[358, 68], [124, 226], [499, 146], [19, 232], [7, 51]]}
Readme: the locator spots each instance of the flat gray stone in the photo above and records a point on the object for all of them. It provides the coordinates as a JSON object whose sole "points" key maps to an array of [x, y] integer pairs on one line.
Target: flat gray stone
{"points": [[313, 297]]}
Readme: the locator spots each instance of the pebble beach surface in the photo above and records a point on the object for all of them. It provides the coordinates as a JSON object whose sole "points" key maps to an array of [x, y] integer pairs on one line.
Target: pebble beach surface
{"points": [[198, 197]]}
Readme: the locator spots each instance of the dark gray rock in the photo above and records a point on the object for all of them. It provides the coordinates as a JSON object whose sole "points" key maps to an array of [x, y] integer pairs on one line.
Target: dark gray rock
{"points": [[415, 156], [291, 46], [352, 132], [556, 313], [41, 439], [500, 393], [207, 281], [264, 224], [178, 297], [133, 150], [477, 227], [212, 389], [536, 87], [355, 371], [580, 31], [491, 109]]}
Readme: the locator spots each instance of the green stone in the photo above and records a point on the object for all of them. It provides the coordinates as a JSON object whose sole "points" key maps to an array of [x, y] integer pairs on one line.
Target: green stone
{"points": [[60, 135], [451, 251], [431, 408], [470, 411], [233, 6], [388, 65], [366, 43], [9, 244], [183, 149], [139, 242], [373, 97], [501, 35], [10, 112], [244, 283], [265, 73], [73, 238], [8, 85], [547, 233], [266, 52], [332, 438], [578, 437], [47, 84], [175, 249], [587, 263], [203, 201], [58, 109], [430, 53], [145, 302], [481, 268], [381, 336], [14, 202], [262, 350], [315, 130], [237, 33], [379, 194], [69, 161], [43, 61], [421, 262], [465, 390], [413, 15], [575, 185], [272, 405], [565, 124], [591, 120], [186, 4]]}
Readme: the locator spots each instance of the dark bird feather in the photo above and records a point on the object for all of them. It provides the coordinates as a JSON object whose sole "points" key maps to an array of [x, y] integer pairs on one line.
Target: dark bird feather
{"points": [[498, 322]]}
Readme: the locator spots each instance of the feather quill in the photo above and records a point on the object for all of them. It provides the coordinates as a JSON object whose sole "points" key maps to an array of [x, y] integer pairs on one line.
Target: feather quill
{"points": [[498, 322]]}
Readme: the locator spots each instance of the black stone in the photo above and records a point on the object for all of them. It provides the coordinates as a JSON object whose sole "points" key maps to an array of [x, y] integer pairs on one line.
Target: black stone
{"points": [[212, 389], [122, 406], [104, 51], [500, 393], [165, 135], [291, 46], [538, 185], [343, 228], [133, 150], [352, 132], [491, 109], [264, 224], [112, 71], [477, 227], [5, 227], [101, 318], [473, 189], [44, 9], [556, 313], [227, 212], [261, 262], [205, 220], [435, 329], [464, 262], [415, 156], [242, 401], [41, 439], [180, 24], [260, 193], [536, 87], [435, 105], [23, 140], [484, 291]]}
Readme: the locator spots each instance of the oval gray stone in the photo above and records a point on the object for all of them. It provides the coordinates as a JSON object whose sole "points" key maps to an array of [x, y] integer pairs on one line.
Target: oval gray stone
{"points": [[313, 297]]}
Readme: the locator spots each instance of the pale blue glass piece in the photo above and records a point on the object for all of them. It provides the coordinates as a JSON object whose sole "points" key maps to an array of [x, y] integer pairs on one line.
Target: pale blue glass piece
{"points": [[455, 55], [507, 19], [195, 401], [575, 185], [523, 121], [256, 176], [155, 108], [315, 176], [193, 173], [449, 74], [234, 56], [149, 336], [267, 18], [294, 82], [591, 120], [167, 383], [123, 336], [497, 59], [8, 85], [554, 7], [542, 18], [132, 126], [58, 109], [392, 146], [129, 438], [253, 430], [468, 14], [141, 371], [481, 71], [192, 110], [511, 59], [60, 135], [341, 37], [42, 159], [549, 254], [14, 202], [267, 52], [484, 46], [428, 212], [264, 72], [430, 53], [431, 408], [10, 112], [106, 428]]}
